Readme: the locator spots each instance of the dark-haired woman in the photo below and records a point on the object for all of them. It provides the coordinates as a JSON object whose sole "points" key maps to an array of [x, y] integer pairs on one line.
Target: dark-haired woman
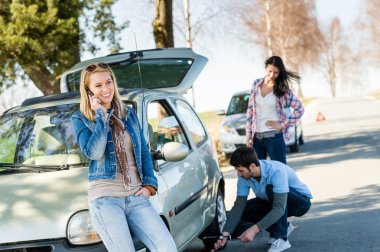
{"points": [[268, 124]]}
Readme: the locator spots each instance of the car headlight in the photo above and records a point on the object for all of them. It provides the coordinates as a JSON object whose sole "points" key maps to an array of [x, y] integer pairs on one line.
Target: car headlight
{"points": [[80, 230], [227, 130]]}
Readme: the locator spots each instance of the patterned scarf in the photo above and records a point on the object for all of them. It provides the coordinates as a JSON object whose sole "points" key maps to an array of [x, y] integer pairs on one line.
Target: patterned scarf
{"points": [[118, 129]]}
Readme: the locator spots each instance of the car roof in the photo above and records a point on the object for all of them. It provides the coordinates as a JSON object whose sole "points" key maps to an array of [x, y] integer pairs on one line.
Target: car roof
{"points": [[74, 97]]}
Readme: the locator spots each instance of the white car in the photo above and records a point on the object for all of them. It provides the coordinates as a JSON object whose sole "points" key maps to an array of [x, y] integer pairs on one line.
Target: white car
{"points": [[232, 132], [43, 174]]}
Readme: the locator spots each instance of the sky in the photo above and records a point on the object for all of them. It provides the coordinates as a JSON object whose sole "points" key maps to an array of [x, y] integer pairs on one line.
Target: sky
{"points": [[232, 66]]}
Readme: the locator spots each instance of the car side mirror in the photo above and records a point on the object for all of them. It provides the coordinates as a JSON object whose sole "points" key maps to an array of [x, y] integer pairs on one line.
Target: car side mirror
{"points": [[172, 152], [221, 112]]}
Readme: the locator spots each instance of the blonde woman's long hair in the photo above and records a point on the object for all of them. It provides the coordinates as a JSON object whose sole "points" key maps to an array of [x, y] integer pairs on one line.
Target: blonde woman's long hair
{"points": [[85, 106]]}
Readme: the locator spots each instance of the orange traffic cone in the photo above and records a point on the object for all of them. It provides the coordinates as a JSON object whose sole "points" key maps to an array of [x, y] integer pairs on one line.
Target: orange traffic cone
{"points": [[320, 117]]}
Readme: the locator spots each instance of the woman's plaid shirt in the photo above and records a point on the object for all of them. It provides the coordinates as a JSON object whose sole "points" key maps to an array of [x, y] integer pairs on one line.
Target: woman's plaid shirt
{"points": [[287, 100]]}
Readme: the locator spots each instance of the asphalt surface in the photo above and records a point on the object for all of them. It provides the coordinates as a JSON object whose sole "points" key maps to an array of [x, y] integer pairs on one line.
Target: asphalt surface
{"points": [[340, 162]]}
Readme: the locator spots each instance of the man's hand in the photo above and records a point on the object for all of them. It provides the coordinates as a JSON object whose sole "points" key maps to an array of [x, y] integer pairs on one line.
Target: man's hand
{"points": [[221, 243], [249, 234]]}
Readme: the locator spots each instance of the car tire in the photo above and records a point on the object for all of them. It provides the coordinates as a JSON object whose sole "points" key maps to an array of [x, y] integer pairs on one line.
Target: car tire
{"points": [[210, 234], [294, 147], [300, 140]]}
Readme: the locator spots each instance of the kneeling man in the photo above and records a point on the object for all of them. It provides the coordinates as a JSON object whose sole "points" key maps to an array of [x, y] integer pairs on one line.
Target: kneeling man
{"points": [[279, 195]]}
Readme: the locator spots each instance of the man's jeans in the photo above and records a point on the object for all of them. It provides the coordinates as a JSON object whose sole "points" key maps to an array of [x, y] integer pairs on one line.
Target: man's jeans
{"points": [[116, 218], [256, 209], [274, 146]]}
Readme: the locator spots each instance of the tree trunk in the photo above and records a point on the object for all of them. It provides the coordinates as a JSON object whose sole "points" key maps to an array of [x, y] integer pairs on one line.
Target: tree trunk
{"points": [[42, 78], [268, 22], [163, 24], [186, 11]]}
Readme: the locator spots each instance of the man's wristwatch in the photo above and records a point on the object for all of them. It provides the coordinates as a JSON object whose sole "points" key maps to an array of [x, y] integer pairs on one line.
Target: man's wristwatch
{"points": [[222, 236]]}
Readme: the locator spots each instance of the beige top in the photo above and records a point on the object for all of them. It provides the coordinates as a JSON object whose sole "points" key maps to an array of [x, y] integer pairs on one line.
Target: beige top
{"points": [[117, 187]]}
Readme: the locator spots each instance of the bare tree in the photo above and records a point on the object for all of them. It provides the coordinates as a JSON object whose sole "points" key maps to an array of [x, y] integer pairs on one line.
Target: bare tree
{"points": [[333, 54], [372, 26], [193, 17], [285, 28], [163, 24], [186, 13]]}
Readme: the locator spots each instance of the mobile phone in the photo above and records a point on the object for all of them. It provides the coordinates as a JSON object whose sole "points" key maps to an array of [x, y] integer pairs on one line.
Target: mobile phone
{"points": [[89, 92]]}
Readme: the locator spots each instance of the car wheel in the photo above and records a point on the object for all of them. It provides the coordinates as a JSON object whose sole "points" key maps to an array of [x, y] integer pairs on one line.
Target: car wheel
{"points": [[300, 140], [211, 233], [294, 147]]}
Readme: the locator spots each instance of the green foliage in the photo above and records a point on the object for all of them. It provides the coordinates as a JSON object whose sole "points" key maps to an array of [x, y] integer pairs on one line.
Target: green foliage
{"points": [[7, 154], [105, 26], [39, 39]]}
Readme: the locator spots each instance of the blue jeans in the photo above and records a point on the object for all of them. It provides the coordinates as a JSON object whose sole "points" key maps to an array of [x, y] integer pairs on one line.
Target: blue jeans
{"points": [[116, 218], [256, 209], [274, 146]]}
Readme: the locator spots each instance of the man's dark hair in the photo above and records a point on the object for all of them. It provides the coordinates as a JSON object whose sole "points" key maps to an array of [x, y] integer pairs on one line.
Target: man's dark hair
{"points": [[244, 156]]}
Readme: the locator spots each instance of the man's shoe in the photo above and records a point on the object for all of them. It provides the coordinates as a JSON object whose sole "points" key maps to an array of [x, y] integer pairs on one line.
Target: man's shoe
{"points": [[290, 230], [279, 245]]}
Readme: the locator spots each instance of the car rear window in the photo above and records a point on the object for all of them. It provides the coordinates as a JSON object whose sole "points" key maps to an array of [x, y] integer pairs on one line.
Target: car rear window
{"points": [[150, 73]]}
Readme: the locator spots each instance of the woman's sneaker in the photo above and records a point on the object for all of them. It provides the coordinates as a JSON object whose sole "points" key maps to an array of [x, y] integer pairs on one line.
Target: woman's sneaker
{"points": [[290, 230], [279, 245]]}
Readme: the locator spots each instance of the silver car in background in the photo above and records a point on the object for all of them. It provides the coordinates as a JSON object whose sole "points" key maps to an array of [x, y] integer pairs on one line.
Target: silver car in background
{"points": [[232, 132]]}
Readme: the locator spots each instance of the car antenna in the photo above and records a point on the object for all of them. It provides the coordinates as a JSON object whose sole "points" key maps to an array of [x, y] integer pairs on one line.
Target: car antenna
{"points": [[142, 88], [138, 63]]}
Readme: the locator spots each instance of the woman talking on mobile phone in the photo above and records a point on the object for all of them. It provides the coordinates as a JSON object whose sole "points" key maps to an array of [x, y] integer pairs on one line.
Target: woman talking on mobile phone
{"points": [[121, 168], [267, 124]]}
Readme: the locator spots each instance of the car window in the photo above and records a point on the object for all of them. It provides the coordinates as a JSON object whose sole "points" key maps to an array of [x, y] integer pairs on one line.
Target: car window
{"points": [[192, 122], [9, 130], [238, 104], [156, 73], [40, 137], [163, 126]]}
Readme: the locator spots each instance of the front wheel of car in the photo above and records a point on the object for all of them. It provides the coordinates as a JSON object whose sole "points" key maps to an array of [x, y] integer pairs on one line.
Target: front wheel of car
{"points": [[211, 233]]}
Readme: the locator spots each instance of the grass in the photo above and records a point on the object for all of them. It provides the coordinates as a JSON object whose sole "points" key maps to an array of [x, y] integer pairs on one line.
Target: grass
{"points": [[213, 122], [375, 94]]}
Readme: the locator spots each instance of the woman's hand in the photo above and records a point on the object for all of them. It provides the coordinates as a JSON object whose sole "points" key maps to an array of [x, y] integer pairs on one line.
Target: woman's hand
{"points": [[95, 104], [273, 124], [249, 143], [145, 191]]}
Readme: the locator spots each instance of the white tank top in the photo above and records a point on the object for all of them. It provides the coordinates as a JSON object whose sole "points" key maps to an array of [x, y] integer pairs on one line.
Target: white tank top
{"points": [[265, 111]]}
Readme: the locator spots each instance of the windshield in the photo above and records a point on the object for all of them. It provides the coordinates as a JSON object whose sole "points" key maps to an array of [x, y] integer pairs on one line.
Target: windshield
{"points": [[40, 137], [155, 73], [238, 104]]}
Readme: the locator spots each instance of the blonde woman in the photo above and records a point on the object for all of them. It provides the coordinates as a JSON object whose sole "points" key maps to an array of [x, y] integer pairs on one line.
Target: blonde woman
{"points": [[121, 169]]}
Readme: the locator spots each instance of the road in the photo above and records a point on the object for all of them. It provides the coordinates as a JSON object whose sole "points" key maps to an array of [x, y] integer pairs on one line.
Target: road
{"points": [[340, 162]]}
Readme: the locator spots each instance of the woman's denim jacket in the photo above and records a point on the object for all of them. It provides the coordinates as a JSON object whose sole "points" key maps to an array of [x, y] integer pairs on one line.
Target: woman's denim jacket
{"points": [[95, 141]]}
